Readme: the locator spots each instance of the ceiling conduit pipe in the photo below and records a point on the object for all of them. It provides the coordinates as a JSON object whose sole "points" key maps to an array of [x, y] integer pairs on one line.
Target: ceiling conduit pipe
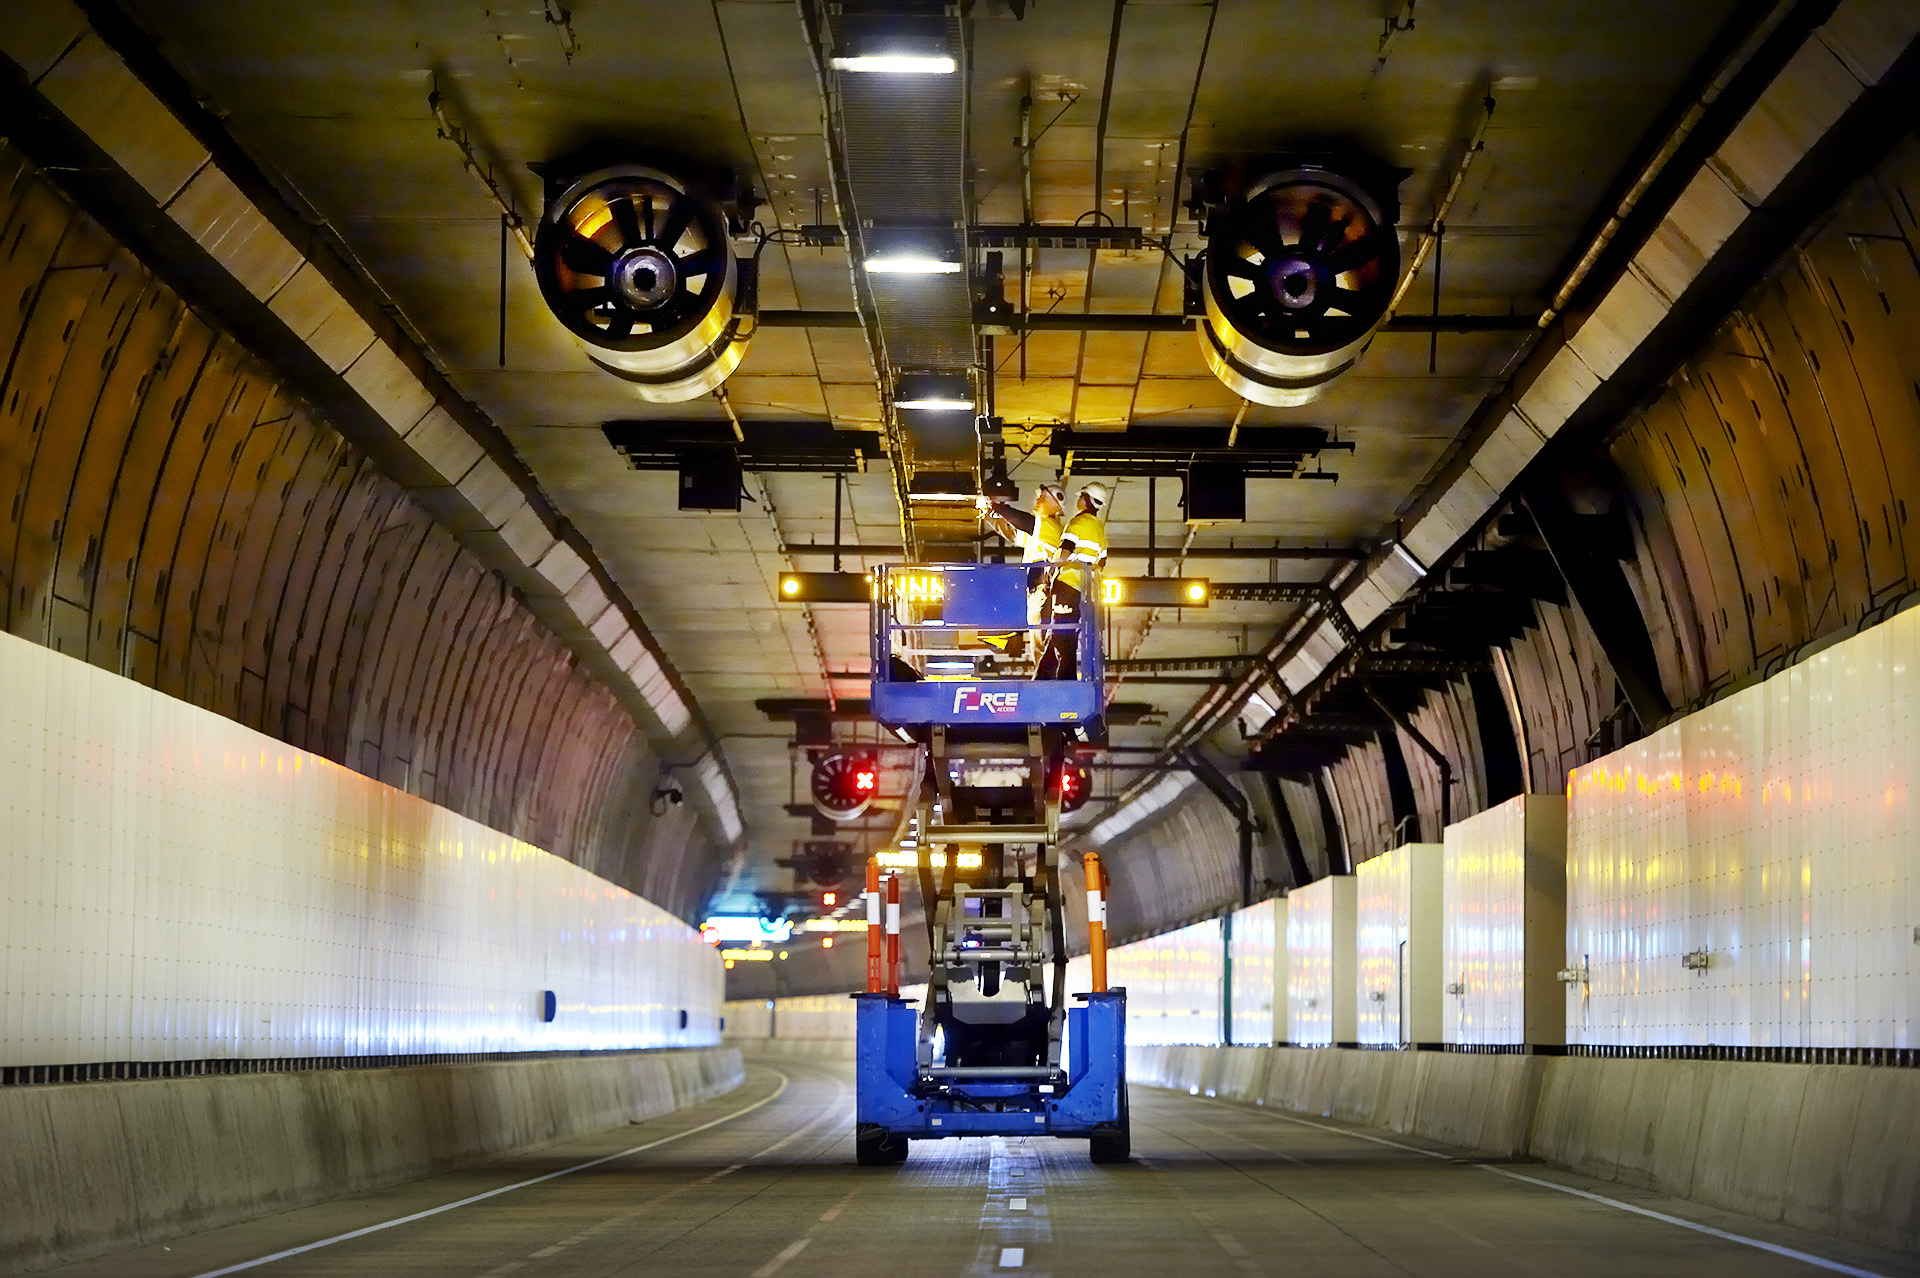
{"points": [[1438, 756], [1435, 228]]}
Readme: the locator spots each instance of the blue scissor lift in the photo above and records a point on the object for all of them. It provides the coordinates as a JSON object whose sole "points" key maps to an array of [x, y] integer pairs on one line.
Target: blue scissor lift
{"points": [[994, 1049]]}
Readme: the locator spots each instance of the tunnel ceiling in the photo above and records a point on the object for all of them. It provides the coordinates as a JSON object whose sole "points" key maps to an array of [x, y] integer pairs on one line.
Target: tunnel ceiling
{"points": [[1128, 103]]}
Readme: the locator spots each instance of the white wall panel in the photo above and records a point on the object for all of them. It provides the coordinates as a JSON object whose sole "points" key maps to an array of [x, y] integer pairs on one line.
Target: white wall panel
{"points": [[1773, 833], [1320, 961], [1173, 985], [1397, 940], [1505, 894], [1259, 954], [176, 886]]}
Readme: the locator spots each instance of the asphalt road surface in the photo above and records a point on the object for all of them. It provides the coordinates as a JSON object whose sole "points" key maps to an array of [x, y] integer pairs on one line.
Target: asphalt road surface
{"points": [[762, 1182]]}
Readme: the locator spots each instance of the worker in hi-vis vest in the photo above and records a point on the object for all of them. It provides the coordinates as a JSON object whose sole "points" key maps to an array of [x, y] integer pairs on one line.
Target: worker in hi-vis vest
{"points": [[1083, 548], [1038, 536]]}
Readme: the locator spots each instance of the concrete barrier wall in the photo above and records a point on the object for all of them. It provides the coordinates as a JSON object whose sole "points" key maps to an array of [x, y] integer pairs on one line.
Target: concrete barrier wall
{"points": [[1821, 1147], [797, 1049], [94, 1167]]}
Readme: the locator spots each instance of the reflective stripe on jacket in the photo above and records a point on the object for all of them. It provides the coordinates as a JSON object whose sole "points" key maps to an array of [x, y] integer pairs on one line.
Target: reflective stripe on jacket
{"points": [[1087, 533]]}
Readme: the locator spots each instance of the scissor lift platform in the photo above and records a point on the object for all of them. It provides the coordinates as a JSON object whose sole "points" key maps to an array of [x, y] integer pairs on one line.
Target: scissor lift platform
{"points": [[991, 1051]]}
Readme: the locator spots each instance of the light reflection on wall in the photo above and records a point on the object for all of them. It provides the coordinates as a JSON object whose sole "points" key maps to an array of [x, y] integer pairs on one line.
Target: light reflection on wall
{"points": [[1768, 836], [177, 886]]}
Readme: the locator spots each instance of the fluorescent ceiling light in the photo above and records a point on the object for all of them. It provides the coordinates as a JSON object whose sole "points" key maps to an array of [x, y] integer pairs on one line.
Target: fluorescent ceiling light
{"points": [[898, 63], [937, 403], [910, 264], [940, 393]]}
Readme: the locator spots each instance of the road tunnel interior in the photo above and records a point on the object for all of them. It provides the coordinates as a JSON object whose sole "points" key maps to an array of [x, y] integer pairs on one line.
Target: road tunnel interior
{"points": [[500, 573]]}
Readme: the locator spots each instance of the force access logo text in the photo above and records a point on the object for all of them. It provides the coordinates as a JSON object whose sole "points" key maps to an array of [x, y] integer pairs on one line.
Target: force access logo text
{"points": [[991, 702]]}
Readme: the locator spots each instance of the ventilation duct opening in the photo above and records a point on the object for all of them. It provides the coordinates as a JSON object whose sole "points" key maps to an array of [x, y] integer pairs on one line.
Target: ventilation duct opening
{"points": [[636, 263], [1296, 278]]}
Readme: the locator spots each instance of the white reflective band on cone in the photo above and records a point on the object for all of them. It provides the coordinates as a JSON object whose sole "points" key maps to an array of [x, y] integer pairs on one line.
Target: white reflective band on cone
{"points": [[1096, 906], [893, 918], [873, 908]]}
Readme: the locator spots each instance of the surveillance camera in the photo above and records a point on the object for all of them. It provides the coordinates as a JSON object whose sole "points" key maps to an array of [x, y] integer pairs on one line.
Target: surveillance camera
{"points": [[667, 795]]}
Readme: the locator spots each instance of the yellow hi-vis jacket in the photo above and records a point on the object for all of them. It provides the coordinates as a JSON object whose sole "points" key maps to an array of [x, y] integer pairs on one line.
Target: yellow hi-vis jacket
{"points": [[1042, 542], [1088, 534]]}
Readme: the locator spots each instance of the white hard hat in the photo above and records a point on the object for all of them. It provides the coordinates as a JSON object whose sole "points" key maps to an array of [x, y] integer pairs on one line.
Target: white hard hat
{"points": [[1095, 493]]}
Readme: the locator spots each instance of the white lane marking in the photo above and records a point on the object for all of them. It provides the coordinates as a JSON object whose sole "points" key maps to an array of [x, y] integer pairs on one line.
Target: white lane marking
{"points": [[1805, 1257], [1819, 1262], [1016, 1204], [495, 1193], [793, 1249], [1012, 1257], [772, 1266]]}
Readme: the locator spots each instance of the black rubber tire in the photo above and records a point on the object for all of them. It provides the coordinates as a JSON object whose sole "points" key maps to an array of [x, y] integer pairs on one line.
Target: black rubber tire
{"points": [[875, 1146]]}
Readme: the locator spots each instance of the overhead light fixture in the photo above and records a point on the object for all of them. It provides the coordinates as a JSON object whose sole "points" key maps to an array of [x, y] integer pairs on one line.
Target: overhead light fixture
{"points": [[910, 263], [940, 485], [895, 44], [910, 250], [934, 392], [898, 63]]}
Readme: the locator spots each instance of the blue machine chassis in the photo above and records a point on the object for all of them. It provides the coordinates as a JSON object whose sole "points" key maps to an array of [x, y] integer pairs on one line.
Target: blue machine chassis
{"points": [[891, 1095]]}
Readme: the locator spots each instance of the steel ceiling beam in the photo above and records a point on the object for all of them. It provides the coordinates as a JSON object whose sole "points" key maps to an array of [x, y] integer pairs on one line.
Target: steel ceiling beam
{"points": [[1111, 323], [1239, 591]]}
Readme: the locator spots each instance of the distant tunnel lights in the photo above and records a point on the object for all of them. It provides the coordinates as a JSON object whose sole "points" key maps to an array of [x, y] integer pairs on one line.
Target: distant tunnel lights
{"points": [[897, 63]]}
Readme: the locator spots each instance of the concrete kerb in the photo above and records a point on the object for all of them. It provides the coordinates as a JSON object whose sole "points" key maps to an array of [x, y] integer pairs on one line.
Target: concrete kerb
{"points": [[92, 1167], [1826, 1148]]}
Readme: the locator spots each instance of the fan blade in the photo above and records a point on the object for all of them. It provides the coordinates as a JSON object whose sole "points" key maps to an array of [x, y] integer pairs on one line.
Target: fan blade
{"points": [[580, 301], [583, 255], [1313, 227], [694, 265], [1264, 234], [621, 324], [1354, 255], [624, 218], [1234, 264], [678, 215], [1351, 301]]}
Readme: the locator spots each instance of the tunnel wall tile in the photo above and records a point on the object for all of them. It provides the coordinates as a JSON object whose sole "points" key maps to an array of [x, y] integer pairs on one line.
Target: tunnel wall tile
{"points": [[174, 514], [1767, 836], [179, 886]]}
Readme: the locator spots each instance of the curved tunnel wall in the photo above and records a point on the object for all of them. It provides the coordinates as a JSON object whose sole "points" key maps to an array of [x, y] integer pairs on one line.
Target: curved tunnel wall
{"points": [[179, 516], [1770, 487]]}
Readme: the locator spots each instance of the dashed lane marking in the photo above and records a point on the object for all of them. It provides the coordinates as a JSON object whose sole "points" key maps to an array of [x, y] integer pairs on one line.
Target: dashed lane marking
{"points": [[800, 1244], [773, 1266], [504, 1189], [1012, 1257]]}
